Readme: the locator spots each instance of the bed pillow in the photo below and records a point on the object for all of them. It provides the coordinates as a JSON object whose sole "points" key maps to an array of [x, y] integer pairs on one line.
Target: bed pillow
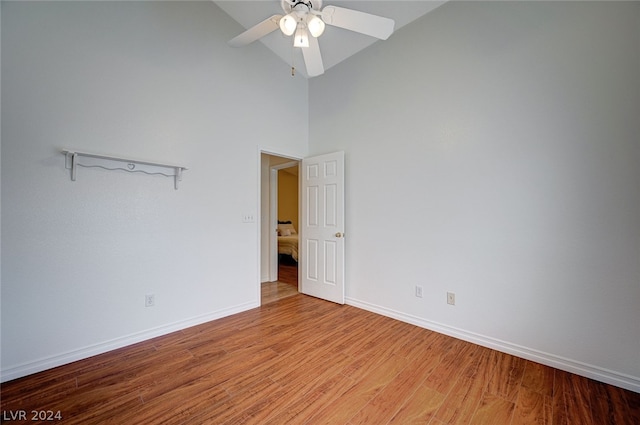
{"points": [[286, 226]]}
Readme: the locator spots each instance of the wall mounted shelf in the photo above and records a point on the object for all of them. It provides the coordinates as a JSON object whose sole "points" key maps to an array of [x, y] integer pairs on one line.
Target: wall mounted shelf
{"points": [[83, 159]]}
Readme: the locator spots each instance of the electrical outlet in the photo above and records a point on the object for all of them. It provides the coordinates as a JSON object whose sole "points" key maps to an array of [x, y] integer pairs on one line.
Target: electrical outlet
{"points": [[149, 300], [418, 291], [451, 298]]}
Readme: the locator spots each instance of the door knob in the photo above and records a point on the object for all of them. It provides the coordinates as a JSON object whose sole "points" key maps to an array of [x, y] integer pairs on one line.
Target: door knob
{"points": [[339, 235]]}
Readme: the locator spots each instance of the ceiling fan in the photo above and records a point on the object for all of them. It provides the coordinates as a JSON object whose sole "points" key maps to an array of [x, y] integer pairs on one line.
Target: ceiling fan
{"points": [[305, 20]]}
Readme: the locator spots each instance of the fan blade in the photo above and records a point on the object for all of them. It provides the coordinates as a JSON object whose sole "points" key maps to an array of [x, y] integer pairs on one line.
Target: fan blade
{"points": [[258, 31], [313, 58], [365, 23]]}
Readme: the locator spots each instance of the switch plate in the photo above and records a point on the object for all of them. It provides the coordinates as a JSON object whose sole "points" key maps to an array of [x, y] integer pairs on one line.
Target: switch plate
{"points": [[248, 218]]}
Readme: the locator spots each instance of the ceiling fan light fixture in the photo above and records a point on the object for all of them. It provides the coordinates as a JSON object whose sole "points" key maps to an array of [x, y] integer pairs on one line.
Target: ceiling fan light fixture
{"points": [[288, 24], [299, 18], [301, 38], [315, 25]]}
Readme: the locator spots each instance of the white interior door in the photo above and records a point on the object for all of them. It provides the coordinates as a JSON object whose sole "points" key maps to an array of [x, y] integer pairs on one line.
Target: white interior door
{"points": [[322, 227]]}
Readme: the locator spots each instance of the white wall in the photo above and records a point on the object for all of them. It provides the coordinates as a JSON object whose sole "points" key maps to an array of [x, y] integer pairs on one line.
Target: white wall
{"points": [[492, 150], [146, 80]]}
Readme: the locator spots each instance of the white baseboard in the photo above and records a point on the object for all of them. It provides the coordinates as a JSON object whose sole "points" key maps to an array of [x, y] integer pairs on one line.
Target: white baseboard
{"points": [[621, 380], [92, 350]]}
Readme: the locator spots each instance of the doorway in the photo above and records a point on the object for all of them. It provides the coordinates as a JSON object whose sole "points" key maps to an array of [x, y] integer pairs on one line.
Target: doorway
{"points": [[321, 214], [279, 227]]}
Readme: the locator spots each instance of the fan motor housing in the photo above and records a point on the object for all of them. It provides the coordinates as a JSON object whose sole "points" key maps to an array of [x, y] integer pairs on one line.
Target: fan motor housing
{"points": [[290, 5]]}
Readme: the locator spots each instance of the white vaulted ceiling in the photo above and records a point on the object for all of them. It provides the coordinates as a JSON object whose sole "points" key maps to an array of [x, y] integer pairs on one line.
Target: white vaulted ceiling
{"points": [[336, 44]]}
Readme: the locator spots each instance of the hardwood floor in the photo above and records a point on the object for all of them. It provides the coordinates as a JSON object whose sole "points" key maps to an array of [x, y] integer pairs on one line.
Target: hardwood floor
{"points": [[285, 286], [288, 272], [274, 291], [301, 360]]}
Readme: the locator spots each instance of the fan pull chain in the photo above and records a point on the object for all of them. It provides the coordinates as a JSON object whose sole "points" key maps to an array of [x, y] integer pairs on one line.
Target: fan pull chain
{"points": [[293, 68]]}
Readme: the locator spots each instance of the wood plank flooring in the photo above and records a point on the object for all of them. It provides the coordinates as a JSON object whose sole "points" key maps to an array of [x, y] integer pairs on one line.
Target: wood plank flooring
{"points": [[274, 291], [288, 272], [285, 286], [301, 360]]}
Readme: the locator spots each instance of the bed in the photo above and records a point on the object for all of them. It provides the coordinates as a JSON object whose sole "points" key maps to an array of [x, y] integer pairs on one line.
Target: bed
{"points": [[287, 240]]}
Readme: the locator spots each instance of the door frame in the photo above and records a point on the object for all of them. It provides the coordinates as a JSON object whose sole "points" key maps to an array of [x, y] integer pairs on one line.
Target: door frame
{"points": [[272, 218]]}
